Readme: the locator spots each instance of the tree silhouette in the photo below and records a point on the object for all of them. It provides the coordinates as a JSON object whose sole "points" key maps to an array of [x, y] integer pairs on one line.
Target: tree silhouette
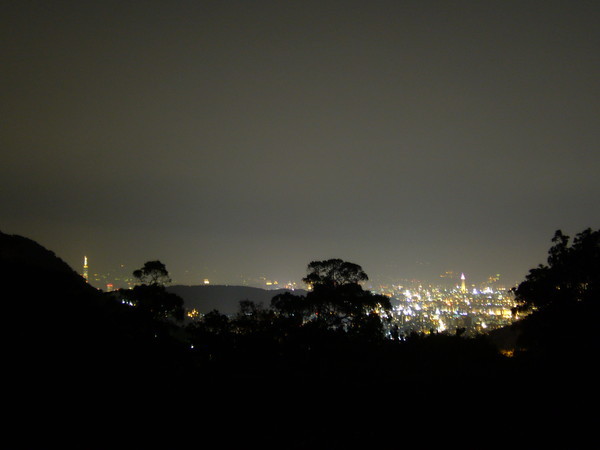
{"points": [[211, 336], [562, 299], [336, 300], [151, 297], [572, 274], [334, 272], [153, 273], [155, 301], [292, 307]]}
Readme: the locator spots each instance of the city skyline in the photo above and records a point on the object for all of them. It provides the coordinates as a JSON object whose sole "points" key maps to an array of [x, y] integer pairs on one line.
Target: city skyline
{"points": [[121, 276], [231, 139]]}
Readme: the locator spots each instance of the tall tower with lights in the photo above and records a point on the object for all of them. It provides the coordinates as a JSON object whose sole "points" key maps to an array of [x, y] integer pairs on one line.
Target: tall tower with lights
{"points": [[85, 268], [463, 287]]}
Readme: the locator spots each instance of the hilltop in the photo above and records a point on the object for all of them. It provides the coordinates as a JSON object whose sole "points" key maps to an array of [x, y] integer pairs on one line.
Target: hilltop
{"points": [[27, 266], [225, 299]]}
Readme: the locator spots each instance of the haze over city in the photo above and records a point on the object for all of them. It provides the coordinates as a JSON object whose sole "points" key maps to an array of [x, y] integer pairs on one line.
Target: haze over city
{"points": [[234, 138]]}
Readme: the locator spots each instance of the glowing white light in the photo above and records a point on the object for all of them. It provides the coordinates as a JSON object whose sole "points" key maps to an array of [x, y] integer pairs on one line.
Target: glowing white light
{"points": [[441, 327]]}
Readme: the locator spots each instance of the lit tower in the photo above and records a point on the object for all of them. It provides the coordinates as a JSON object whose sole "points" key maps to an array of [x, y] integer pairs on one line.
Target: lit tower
{"points": [[85, 268], [463, 287]]}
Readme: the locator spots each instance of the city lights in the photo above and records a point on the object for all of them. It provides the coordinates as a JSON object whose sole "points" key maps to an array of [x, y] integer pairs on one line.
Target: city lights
{"points": [[431, 308]]}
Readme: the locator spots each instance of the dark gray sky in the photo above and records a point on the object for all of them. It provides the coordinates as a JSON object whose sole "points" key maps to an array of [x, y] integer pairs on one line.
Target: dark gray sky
{"points": [[251, 137]]}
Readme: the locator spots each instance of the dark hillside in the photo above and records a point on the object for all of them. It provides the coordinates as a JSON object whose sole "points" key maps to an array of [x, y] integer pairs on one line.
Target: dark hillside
{"points": [[72, 355], [26, 264], [86, 371], [225, 299]]}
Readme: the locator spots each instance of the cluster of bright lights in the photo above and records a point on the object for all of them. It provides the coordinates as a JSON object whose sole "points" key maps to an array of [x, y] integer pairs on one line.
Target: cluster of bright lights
{"points": [[435, 308], [193, 314]]}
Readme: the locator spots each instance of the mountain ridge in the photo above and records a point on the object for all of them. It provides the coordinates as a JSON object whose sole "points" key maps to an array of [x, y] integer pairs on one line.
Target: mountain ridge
{"points": [[225, 298]]}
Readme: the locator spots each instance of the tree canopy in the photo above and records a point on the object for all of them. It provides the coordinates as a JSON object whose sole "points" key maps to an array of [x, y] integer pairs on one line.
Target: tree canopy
{"points": [[337, 301], [155, 301], [151, 297], [153, 273], [571, 275], [334, 272]]}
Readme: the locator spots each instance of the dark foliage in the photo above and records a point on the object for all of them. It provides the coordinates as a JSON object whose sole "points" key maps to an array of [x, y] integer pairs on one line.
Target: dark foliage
{"points": [[283, 376], [572, 274], [334, 272], [153, 273], [563, 298], [558, 342], [336, 301], [154, 301], [74, 356]]}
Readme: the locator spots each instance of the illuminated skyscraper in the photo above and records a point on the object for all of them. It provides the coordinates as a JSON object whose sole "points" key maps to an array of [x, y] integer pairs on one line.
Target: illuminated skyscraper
{"points": [[85, 268], [463, 287]]}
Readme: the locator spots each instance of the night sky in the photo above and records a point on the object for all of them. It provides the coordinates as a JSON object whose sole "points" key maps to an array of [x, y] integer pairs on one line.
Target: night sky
{"points": [[234, 138]]}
